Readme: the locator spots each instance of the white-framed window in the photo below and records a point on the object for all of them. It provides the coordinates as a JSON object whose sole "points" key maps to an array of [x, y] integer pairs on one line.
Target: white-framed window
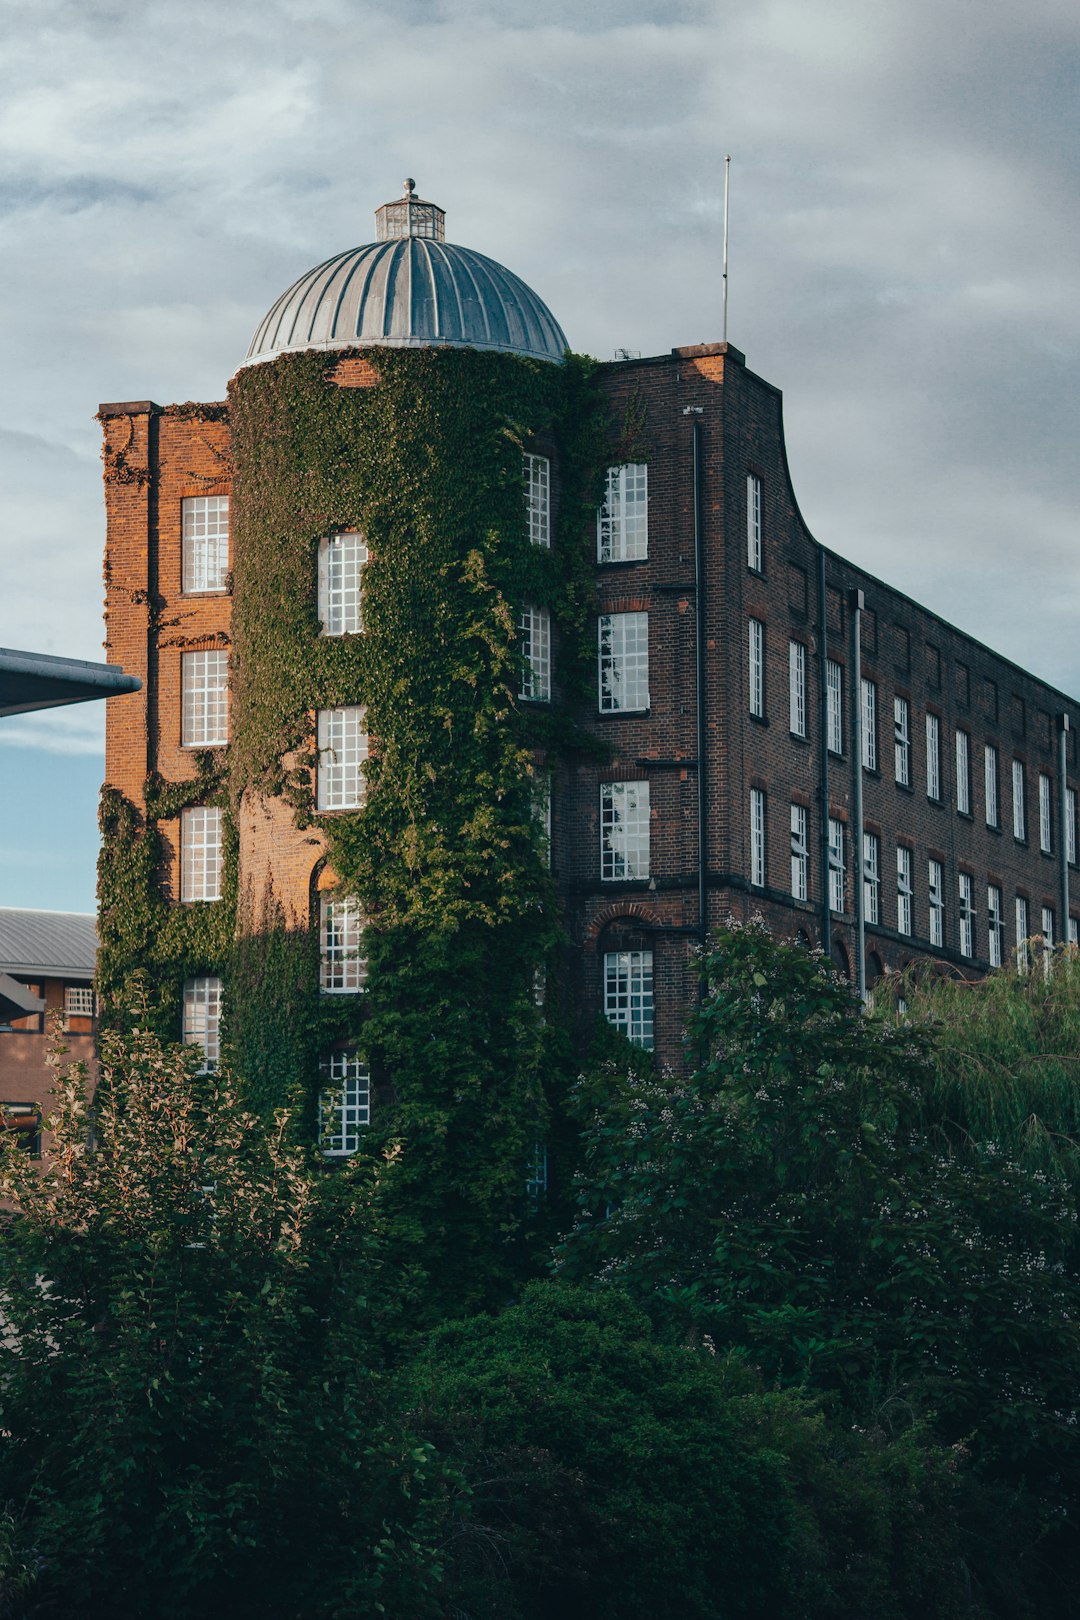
{"points": [[542, 812], [537, 474], [1048, 927], [623, 645], [902, 741], [800, 852], [935, 889], [200, 853], [628, 994], [963, 773], [904, 924], [753, 522], [1023, 933], [622, 525], [204, 698], [1019, 803], [342, 740], [342, 963], [624, 830], [78, 1001], [1046, 822], [202, 1018], [535, 627], [756, 675], [1074, 930], [536, 1177], [995, 925], [965, 888], [834, 706], [871, 877], [757, 837], [797, 688], [837, 867], [933, 757], [344, 1103], [869, 725], [342, 557], [1070, 825], [204, 543], [990, 784]]}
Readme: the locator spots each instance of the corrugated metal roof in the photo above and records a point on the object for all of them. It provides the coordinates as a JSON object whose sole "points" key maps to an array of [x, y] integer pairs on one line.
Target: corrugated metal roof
{"points": [[409, 292], [53, 944]]}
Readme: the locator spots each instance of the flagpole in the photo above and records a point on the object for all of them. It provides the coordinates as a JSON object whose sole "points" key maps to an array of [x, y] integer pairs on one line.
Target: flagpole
{"points": [[727, 179]]}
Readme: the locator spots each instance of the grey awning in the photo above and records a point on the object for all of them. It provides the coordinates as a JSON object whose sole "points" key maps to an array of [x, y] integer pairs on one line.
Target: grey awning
{"points": [[40, 681], [16, 1000]]}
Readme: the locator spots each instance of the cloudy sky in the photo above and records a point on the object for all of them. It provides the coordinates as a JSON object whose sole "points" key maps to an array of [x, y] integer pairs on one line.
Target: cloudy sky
{"points": [[904, 246]]}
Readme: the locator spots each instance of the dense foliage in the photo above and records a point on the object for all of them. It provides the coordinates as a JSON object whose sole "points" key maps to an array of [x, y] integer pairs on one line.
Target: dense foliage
{"points": [[447, 854], [190, 1374], [212, 1401], [804, 1197]]}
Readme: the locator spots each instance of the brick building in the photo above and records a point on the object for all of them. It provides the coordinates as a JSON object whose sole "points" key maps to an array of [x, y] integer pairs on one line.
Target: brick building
{"points": [[46, 979], [780, 733]]}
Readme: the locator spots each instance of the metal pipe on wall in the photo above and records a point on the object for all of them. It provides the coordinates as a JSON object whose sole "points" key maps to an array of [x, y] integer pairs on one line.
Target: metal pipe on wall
{"points": [[702, 775], [857, 602], [823, 753], [1063, 821]]}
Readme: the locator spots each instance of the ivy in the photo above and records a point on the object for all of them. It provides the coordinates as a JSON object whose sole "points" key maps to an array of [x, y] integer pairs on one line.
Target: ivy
{"points": [[446, 855]]}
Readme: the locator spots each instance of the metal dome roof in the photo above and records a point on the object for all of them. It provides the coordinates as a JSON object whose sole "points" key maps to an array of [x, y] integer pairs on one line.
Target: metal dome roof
{"points": [[409, 289]]}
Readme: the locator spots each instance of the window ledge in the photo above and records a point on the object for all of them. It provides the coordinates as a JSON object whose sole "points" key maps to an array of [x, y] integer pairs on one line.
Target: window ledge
{"points": [[758, 719]]}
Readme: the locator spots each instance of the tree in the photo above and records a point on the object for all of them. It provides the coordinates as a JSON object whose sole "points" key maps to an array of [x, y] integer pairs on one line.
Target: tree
{"points": [[797, 1199], [611, 1477], [190, 1384]]}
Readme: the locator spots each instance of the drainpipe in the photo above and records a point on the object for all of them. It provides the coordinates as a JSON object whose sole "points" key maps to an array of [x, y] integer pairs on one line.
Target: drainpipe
{"points": [[857, 601], [823, 728], [1063, 821], [702, 778]]}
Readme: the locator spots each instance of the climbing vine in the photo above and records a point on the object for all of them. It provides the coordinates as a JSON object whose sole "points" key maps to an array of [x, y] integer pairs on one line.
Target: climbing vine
{"points": [[446, 857]]}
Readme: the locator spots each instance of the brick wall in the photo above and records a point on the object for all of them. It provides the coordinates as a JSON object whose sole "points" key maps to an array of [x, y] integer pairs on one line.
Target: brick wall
{"points": [[155, 457]]}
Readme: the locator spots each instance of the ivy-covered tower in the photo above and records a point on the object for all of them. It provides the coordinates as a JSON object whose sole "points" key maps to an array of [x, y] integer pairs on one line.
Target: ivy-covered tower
{"points": [[328, 848]]}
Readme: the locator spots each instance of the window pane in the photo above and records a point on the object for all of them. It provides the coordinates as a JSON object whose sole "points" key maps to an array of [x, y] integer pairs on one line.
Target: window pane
{"points": [[538, 499], [800, 853], [963, 773], [902, 729], [757, 837], [628, 994], [204, 698], [204, 543], [624, 661], [1019, 806], [622, 525], [343, 748], [200, 853], [871, 877], [756, 645], [933, 757], [535, 627], [797, 688], [342, 964], [624, 830], [341, 563], [753, 521], [344, 1104], [834, 696], [202, 1017], [869, 725], [990, 774]]}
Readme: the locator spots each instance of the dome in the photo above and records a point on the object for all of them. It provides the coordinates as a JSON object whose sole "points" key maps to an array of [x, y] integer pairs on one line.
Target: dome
{"points": [[409, 289]]}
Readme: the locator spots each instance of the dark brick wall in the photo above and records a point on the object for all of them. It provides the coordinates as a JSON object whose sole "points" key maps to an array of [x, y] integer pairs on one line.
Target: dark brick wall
{"points": [[906, 650], [155, 457]]}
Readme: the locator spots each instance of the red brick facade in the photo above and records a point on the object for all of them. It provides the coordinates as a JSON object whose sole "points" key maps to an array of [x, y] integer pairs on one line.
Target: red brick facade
{"points": [[661, 408]]}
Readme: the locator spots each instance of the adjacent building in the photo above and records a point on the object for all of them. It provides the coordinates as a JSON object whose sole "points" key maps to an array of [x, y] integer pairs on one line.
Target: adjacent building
{"points": [[47, 963]]}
